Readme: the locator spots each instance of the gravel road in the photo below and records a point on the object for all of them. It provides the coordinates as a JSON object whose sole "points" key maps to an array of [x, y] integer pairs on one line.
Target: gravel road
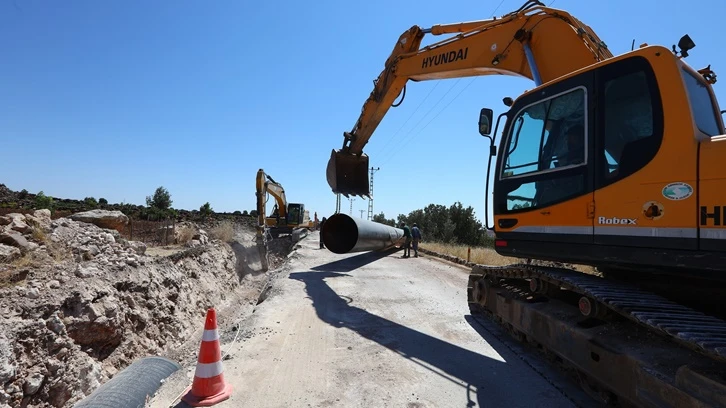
{"points": [[375, 330]]}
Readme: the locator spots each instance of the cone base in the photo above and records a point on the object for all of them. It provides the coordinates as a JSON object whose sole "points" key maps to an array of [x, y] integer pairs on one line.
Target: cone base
{"points": [[196, 401]]}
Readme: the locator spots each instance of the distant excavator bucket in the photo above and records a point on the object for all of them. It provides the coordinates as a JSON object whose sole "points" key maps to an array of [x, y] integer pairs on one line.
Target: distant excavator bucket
{"points": [[348, 173]]}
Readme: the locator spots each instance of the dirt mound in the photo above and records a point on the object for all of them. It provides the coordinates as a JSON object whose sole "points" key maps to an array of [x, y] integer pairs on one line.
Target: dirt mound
{"points": [[78, 303]]}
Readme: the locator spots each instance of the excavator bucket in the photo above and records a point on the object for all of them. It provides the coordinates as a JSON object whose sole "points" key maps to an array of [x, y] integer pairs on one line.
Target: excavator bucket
{"points": [[348, 173]]}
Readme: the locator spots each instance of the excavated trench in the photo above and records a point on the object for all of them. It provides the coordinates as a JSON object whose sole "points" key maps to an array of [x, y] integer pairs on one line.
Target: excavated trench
{"points": [[70, 323]]}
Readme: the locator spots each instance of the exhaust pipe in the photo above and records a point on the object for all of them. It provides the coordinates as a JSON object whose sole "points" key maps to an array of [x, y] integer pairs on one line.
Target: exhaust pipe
{"points": [[344, 234]]}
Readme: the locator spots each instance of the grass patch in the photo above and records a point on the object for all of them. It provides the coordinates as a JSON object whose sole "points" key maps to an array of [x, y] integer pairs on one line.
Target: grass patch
{"points": [[223, 232], [486, 256], [186, 234], [39, 234], [479, 255]]}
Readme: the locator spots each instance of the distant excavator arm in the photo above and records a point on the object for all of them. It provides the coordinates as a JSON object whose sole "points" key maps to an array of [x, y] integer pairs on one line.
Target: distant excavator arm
{"points": [[265, 185], [535, 42]]}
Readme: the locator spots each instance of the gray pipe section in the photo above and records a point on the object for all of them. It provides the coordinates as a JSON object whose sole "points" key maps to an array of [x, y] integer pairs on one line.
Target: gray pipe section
{"points": [[344, 234]]}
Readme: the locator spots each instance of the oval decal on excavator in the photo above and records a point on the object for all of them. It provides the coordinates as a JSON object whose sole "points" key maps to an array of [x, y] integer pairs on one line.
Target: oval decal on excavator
{"points": [[677, 191]]}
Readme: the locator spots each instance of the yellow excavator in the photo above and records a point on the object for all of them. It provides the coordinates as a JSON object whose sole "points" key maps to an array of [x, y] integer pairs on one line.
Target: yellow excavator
{"points": [[611, 162], [285, 217]]}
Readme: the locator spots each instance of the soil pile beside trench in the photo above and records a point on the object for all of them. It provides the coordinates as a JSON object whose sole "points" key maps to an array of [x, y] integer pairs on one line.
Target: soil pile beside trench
{"points": [[79, 303]]}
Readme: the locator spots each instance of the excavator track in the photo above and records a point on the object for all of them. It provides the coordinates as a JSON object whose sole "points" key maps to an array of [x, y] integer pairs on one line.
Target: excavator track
{"points": [[690, 328], [634, 344]]}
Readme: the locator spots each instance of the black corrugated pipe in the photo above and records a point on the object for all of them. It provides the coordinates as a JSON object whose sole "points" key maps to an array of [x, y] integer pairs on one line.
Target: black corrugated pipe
{"points": [[344, 234], [131, 387]]}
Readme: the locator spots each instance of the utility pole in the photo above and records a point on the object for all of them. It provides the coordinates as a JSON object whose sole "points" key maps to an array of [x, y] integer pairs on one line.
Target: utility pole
{"points": [[351, 206], [370, 199], [361, 213]]}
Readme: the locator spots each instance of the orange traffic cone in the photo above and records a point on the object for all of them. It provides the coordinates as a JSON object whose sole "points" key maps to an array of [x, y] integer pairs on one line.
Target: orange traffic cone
{"points": [[209, 387]]}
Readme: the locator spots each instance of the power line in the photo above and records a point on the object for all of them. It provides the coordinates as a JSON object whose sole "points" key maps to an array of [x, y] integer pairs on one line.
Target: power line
{"points": [[409, 118], [439, 113], [395, 150], [495, 10]]}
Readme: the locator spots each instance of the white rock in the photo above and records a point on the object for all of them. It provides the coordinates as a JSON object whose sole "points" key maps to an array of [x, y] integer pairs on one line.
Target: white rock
{"points": [[33, 293], [32, 384], [86, 271]]}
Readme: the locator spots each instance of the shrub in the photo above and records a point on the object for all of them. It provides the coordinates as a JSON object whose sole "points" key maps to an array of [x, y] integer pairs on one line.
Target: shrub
{"points": [[102, 201], [205, 210], [186, 234], [223, 232], [42, 201]]}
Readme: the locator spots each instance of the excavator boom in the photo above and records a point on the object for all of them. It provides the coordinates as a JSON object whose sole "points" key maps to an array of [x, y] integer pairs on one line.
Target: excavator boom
{"points": [[611, 163], [512, 45]]}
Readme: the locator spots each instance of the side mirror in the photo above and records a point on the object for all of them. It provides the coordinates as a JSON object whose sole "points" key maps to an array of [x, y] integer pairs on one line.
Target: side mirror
{"points": [[485, 121]]}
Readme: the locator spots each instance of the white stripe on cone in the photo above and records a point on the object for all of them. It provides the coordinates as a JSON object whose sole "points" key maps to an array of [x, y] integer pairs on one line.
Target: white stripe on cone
{"points": [[208, 370], [210, 335]]}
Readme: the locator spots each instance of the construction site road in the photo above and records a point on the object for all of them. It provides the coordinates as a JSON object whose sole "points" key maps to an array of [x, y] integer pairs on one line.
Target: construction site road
{"points": [[374, 329]]}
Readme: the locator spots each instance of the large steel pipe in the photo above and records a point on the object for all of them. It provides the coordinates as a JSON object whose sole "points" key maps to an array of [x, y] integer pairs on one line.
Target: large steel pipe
{"points": [[344, 234]]}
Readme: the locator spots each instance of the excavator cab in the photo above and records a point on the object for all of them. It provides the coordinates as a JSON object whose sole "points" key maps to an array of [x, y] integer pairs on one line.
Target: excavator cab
{"points": [[614, 166], [347, 173], [294, 214]]}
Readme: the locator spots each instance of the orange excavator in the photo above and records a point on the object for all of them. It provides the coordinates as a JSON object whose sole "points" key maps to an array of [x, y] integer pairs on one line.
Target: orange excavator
{"points": [[608, 184]]}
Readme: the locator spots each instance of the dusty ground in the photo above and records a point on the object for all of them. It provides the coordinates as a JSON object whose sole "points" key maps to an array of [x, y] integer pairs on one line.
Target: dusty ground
{"points": [[372, 330], [81, 303]]}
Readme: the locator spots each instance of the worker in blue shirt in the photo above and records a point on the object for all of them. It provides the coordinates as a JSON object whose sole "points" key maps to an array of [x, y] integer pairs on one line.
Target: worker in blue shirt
{"points": [[416, 235]]}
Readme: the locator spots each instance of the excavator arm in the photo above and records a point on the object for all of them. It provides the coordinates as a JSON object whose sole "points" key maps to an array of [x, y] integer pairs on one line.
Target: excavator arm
{"points": [[266, 184], [535, 42]]}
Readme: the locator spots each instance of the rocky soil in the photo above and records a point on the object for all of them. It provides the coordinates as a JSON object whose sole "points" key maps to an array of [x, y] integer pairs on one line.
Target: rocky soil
{"points": [[78, 302]]}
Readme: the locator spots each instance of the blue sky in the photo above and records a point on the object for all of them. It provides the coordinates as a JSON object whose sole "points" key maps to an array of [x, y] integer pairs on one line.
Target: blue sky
{"points": [[113, 99]]}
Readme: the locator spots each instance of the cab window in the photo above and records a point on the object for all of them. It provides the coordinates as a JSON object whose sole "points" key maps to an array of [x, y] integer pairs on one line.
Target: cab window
{"points": [[547, 135], [546, 138], [702, 107]]}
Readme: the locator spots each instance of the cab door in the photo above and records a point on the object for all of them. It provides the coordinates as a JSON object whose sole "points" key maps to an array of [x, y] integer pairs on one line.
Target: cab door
{"points": [[645, 194], [543, 188]]}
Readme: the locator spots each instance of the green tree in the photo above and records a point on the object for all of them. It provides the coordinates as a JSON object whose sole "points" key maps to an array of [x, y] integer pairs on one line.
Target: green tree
{"points": [[454, 224], [102, 202], [467, 229], [253, 213], [22, 194], [238, 212], [91, 202], [159, 205], [205, 210], [381, 219], [245, 213], [43, 201], [160, 200]]}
